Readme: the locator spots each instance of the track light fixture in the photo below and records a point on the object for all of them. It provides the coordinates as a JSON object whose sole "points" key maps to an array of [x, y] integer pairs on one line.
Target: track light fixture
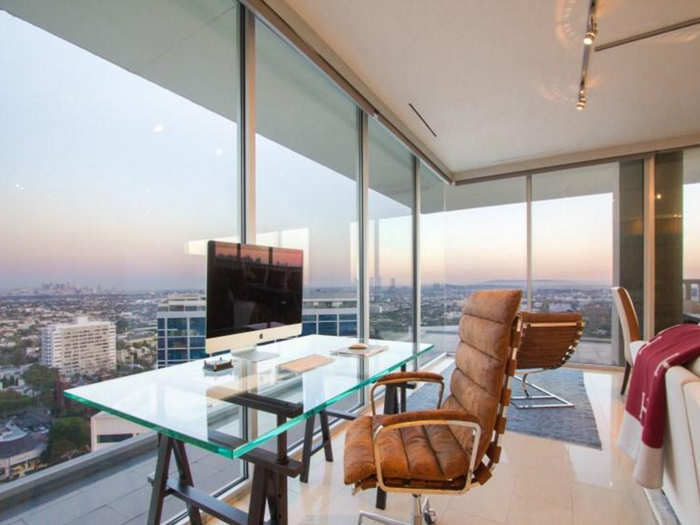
{"points": [[588, 39], [591, 31]]}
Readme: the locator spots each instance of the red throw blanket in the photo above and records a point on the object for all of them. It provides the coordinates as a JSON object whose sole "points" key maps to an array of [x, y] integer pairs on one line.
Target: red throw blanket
{"points": [[644, 420]]}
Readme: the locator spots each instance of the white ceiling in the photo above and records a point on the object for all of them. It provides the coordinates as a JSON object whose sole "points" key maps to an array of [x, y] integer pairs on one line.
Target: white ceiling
{"points": [[498, 84]]}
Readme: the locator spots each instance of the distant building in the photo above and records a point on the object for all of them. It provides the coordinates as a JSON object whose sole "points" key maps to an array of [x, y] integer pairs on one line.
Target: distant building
{"points": [[84, 347], [181, 328], [20, 452], [329, 316], [106, 429], [182, 324]]}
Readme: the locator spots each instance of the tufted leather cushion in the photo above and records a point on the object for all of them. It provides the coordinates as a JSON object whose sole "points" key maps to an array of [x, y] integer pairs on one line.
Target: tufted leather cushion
{"points": [[481, 359], [434, 454], [548, 339], [427, 453]]}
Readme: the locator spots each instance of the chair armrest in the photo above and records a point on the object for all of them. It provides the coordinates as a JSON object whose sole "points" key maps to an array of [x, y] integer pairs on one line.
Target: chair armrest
{"points": [[401, 377], [407, 377], [428, 417]]}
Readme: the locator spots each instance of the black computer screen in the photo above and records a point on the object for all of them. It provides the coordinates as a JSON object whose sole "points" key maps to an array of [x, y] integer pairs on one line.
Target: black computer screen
{"points": [[252, 287]]}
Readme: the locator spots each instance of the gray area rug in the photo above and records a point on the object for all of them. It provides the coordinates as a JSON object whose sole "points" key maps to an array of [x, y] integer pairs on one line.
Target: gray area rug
{"points": [[574, 425]]}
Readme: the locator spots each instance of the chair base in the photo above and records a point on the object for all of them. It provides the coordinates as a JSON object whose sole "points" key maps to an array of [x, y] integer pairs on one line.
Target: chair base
{"points": [[421, 514], [560, 401]]}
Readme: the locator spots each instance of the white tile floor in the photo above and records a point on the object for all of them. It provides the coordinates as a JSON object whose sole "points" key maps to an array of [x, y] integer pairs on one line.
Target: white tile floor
{"points": [[538, 481]]}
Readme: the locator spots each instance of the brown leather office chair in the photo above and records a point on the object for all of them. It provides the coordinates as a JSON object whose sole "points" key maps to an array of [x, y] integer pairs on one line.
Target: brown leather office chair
{"points": [[547, 342], [455, 447]]}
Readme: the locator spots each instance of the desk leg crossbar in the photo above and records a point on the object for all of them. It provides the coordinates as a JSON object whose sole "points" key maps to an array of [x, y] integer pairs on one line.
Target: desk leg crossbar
{"points": [[269, 488]]}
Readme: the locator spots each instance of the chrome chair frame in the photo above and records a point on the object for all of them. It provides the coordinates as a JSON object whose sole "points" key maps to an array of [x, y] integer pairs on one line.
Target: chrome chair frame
{"points": [[420, 511], [404, 380]]}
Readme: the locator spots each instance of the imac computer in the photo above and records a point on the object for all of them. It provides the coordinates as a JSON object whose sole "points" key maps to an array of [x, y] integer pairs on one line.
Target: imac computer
{"points": [[254, 295]]}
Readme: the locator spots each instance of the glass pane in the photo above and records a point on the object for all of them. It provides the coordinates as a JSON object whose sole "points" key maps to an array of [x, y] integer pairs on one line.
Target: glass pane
{"points": [[306, 162], [668, 229], [307, 151], [486, 229], [131, 167], [691, 235], [434, 327], [572, 252], [390, 238]]}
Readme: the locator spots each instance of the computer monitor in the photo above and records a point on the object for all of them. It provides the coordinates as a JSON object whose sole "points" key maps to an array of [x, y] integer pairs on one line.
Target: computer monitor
{"points": [[254, 295]]}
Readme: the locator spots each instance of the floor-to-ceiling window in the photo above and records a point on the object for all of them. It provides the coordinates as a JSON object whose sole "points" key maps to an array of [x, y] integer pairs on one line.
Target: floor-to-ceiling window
{"points": [[486, 243], [307, 152], [390, 236], [572, 252], [432, 242], [306, 189], [691, 235], [115, 170]]}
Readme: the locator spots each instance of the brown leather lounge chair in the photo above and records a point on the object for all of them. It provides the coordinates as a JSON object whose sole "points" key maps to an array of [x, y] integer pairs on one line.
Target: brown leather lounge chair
{"points": [[434, 451], [547, 341]]}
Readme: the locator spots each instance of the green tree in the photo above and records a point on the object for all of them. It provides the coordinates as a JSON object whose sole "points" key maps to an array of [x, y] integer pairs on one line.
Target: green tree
{"points": [[68, 437], [13, 357], [43, 379], [40, 377], [11, 402], [122, 325]]}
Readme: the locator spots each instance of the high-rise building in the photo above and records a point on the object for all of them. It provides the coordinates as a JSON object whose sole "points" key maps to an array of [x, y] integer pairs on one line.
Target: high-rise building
{"points": [[182, 324], [329, 316], [181, 328], [83, 347]]}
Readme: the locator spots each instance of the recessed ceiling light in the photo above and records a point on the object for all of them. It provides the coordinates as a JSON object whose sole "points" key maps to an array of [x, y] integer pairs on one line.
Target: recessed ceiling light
{"points": [[219, 152], [158, 128]]}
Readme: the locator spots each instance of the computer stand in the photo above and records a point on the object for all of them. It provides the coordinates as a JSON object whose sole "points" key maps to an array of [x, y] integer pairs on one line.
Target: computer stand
{"points": [[253, 355]]}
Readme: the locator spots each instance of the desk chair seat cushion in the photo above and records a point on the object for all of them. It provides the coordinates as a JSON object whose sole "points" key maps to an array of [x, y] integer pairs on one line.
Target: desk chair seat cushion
{"points": [[421, 454], [635, 346]]}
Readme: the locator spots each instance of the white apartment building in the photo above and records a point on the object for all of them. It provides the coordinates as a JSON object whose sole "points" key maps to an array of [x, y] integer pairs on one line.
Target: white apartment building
{"points": [[84, 347]]}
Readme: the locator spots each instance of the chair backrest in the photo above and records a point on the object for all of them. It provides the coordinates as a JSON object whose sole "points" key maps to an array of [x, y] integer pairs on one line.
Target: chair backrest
{"points": [[628, 318], [547, 340], [485, 361]]}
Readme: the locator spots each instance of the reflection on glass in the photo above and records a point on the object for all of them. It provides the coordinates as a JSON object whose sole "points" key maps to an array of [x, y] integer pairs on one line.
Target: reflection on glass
{"points": [[390, 236], [306, 161], [572, 252], [691, 235], [485, 247], [123, 170], [434, 327]]}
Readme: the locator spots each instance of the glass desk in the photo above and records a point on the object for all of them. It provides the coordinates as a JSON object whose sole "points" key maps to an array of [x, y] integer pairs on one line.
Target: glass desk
{"points": [[187, 404]]}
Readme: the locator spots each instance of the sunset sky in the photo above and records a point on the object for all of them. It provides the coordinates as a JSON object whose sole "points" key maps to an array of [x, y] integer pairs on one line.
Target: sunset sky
{"points": [[107, 176]]}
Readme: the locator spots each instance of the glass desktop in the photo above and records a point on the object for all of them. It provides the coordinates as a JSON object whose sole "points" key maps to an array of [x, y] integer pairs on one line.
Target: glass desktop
{"points": [[200, 407]]}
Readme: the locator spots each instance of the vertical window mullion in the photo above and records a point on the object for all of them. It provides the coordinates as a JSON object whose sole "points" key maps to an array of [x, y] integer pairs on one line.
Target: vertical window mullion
{"points": [[416, 258]]}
